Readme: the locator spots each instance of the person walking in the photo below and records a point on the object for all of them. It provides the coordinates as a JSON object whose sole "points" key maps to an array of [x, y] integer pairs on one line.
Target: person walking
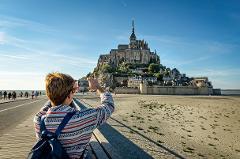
{"points": [[36, 94], [14, 95], [5, 95], [9, 95], [26, 94], [1, 94], [21, 94], [32, 94]]}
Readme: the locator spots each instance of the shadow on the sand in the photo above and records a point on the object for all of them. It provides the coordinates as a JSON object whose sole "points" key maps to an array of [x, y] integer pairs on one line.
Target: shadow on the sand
{"points": [[123, 145], [154, 142], [110, 133]]}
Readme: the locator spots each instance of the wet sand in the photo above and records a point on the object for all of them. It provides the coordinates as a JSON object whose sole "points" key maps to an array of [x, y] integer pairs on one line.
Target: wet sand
{"points": [[191, 126]]}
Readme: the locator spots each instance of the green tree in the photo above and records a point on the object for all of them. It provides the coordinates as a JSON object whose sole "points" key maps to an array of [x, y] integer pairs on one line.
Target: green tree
{"points": [[106, 68], [89, 74], [159, 76], [154, 68], [123, 67]]}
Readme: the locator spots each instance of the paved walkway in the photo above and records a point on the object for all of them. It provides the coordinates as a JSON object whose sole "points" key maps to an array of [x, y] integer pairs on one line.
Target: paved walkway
{"points": [[17, 143], [11, 100]]}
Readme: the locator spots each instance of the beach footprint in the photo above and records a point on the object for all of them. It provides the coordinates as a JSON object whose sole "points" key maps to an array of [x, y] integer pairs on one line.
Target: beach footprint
{"points": [[200, 155], [237, 150], [189, 135], [189, 150]]}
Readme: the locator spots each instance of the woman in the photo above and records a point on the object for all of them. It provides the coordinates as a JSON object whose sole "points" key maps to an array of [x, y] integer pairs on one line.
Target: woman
{"points": [[75, 136]]}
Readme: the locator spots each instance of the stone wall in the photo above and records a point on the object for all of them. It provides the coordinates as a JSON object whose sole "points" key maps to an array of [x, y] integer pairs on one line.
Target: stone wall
{"points": [[120, 90], [175, 90], [166, 90]]}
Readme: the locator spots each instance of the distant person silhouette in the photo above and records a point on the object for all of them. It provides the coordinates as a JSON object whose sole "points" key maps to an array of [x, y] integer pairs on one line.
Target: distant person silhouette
{"points": [[21, 94], [36, 94], [26, 94], [14, 95], [5, 95], [32, 94], [9, 95]]}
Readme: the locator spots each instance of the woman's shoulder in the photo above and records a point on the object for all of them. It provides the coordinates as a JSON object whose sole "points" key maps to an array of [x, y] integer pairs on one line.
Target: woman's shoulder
{"points": [[86, 112]]}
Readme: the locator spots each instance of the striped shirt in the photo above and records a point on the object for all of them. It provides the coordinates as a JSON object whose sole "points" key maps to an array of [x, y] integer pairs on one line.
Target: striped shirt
{"points": [[77, 133]]}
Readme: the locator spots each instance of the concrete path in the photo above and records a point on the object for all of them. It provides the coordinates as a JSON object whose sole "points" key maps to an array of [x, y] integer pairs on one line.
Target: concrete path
{"points": [[16, 127], [2, 101], [18, 142]]}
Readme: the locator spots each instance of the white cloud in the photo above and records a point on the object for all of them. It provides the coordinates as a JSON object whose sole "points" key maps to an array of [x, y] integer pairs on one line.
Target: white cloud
{"points": [[216, 47], [214, 72], [43, 54], [169, 62], [74, 60], [23, 71], [13, 22], [199, 46], [20, 43], [21, 57], [2, 38], [10, 23], [172, 40]]}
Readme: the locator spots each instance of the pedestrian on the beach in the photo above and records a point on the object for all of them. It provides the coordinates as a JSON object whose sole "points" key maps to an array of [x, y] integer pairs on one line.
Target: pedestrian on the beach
{"points": [[1, 94], [36, 94], [32, 94], [26, 94], [21, 94], [9, 95], [5, 95], [60, 89], [14, 95]]}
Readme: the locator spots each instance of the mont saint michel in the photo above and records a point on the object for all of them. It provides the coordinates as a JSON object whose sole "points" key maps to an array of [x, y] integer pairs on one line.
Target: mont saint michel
{"points": [[134, 68], [136, 52]]}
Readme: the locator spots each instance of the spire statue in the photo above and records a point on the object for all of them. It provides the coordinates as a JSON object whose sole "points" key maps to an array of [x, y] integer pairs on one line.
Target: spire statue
{"points": [[133, 36], [133, 26]]}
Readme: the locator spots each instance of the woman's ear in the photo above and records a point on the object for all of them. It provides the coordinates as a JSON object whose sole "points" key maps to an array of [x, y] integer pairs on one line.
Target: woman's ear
{"points": [[68, 96]]}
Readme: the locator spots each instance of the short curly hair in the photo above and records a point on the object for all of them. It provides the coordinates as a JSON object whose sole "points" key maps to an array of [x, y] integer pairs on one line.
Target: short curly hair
{"points": [[58, 87]]}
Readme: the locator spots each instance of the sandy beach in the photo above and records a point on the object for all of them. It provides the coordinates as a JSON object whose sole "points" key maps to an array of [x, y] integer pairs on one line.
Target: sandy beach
{"points": [[190, 126]]}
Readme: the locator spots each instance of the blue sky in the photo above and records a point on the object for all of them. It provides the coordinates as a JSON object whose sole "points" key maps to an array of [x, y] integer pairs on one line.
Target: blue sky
{"points": [[200, 38]]}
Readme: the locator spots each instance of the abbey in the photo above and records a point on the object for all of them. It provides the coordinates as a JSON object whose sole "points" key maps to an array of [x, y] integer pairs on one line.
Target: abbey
{"points": [[137, 51], [134, 68]]}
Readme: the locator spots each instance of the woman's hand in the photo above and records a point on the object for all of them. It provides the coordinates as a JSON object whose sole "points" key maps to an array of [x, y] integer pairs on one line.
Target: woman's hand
{"points": [[94, 85]]}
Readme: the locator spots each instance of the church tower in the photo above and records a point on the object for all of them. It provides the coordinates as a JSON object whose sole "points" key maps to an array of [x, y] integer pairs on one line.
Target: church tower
{"points": [[133, 38]]}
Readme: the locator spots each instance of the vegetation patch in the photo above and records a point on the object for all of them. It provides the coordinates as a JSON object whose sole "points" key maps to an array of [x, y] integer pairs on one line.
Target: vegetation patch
{"points": [[159, 141], [154, 128]]}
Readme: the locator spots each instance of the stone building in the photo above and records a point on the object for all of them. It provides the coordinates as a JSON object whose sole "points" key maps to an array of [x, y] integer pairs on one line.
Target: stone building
{"points": [[137, 51], [201, 82], [134, 82]]}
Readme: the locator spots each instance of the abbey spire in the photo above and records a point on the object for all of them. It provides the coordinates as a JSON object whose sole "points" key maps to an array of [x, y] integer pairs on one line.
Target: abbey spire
{"points": [[133, 36]]}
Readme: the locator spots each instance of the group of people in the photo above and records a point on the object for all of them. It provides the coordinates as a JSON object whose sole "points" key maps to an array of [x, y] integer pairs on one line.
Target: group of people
{"points": [[8, 95], [13, 95], [36, 94]]}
